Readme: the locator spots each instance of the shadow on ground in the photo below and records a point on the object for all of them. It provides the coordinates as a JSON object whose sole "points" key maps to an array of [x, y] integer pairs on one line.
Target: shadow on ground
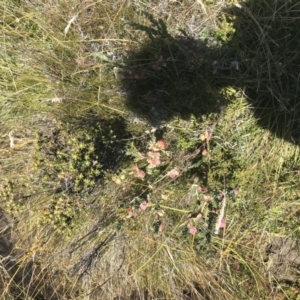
{"points": [[179, 76], [171, 76], [267, 44]]}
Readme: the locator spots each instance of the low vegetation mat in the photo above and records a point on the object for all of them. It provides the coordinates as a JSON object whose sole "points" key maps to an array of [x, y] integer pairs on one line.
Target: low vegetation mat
{"points": [[149, 149]]}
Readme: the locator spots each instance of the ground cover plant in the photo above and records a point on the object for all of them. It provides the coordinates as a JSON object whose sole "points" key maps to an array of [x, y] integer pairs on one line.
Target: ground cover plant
{"points": [[150, 149]]}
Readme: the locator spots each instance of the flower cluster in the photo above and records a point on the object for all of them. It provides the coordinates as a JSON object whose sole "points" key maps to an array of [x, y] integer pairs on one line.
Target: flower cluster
{"points": [[154, 155]]}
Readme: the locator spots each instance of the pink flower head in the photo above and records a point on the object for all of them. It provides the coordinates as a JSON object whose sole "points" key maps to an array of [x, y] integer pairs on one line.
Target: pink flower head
{"points": [[174, 173], [201, 189], [138, 173], [144, 205], [135, 169], [204, 152], [159, 64], [153, 159], [158, 146], [193, 230], [223, 223], [161, 226], [161, 144], [156, 67], [132, 213], [222, 196]]}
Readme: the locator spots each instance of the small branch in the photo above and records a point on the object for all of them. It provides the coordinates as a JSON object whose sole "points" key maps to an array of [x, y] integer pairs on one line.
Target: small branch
{"points": [[11, 139], [221, 214]]}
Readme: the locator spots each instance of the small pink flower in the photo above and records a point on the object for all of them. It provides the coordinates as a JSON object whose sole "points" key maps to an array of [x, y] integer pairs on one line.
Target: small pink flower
{"points": [[193, 230], [223, 223], [161, 226], [135, 169], [153, 158], [132, 213], [134, 74], [204, 152], [201, 189], [161, 144], [174, 173], [141, 174], [138, 173], [125, 188], [222, 196], [144, 205], [156, 67], [158, 146], [159, 64]]}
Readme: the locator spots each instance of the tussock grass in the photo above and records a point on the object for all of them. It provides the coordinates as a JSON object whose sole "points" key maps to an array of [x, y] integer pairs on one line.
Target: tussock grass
{"points": [[128, 129], [267, 41]]}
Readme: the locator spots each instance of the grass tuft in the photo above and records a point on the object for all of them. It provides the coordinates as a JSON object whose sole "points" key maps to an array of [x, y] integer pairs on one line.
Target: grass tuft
{"points": [[149, 150]]}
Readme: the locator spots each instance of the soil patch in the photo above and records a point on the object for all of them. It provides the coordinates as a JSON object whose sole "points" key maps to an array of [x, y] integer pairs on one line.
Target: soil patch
{"points": [[284, 259]]}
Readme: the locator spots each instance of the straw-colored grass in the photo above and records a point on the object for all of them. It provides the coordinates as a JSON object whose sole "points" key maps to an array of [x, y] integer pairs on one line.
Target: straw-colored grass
{"points": [[149, 149]]}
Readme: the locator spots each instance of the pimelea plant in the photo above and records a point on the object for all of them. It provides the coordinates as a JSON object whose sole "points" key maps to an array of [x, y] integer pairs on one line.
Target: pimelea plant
{"points": [[153, 170]]}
